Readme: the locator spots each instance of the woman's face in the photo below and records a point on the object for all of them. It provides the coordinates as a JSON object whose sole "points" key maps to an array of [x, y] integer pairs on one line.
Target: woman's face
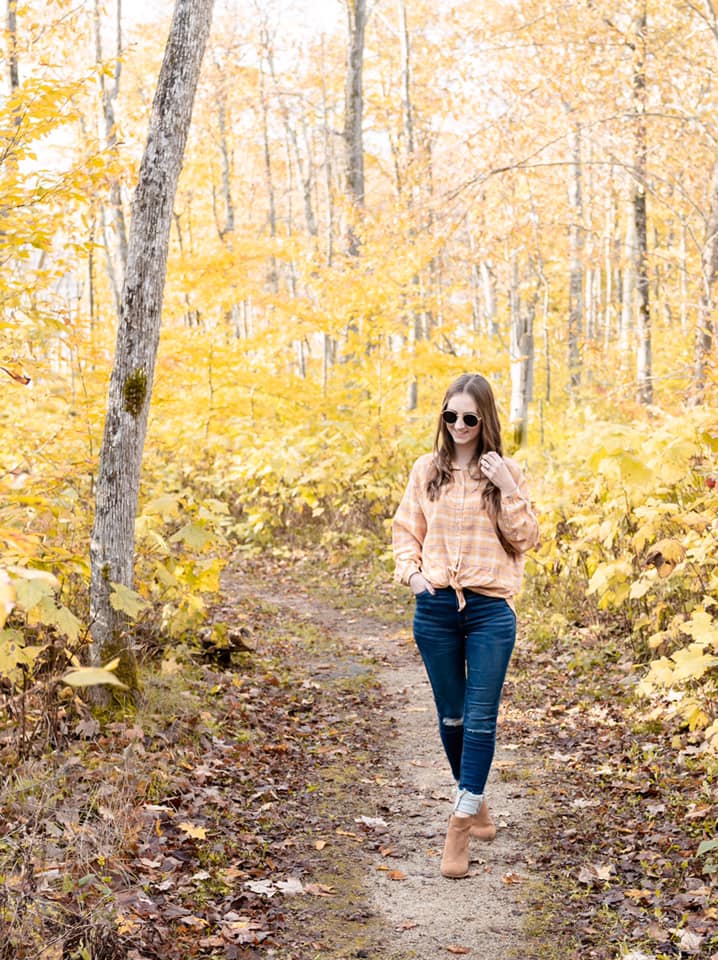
{"points": [[464, 437]]}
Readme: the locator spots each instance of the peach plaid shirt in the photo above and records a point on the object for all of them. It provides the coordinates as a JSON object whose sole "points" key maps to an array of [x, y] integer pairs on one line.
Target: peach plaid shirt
{"points": [[452, 540]]}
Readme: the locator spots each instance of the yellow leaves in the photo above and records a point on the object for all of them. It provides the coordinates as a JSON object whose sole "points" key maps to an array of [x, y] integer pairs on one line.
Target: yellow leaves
{"points": [[702, 627], [35, 592], [127, 601], [610, 582], [192, 830], [16, 658], [665, 556], [691, 662], [95, 676], [7, 597], [687, 664]]}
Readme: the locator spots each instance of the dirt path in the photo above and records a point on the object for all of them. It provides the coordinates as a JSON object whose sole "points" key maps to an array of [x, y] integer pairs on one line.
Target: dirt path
{"points": [[424, 916]]}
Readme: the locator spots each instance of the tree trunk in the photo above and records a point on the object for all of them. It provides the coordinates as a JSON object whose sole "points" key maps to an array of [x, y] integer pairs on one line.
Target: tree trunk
{"points": [[628, 285], [109, 95], [488, 285], [407, 110], [644, 372], [709, 270], [522, 360], [576, 244], [13, 68], [228, 228], [353, 111], [112, 544], [328, 165], [264, 104]]}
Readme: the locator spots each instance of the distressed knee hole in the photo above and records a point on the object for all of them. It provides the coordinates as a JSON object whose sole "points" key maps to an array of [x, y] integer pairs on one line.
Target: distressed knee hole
{"points": [[453, 721]]}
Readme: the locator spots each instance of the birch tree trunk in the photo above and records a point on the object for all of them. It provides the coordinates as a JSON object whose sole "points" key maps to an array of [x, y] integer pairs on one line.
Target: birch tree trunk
{"points": [[522, 359], [354, 110], [112, 544], [576, 244], [13, 68], [709, 270], [628, 285], [273, 277], [644, 362], [109, 95]]}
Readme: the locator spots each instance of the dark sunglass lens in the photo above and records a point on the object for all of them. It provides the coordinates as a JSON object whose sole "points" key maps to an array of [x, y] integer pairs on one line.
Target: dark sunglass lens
{"points": [[470, 420], [449, 416]]}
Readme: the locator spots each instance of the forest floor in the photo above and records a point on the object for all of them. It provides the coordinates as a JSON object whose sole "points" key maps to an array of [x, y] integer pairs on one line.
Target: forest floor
{"points": [[289, 800]]}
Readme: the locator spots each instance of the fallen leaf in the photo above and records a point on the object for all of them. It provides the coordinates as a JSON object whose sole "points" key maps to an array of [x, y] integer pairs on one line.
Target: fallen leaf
{"points": [[320, 844], [373, 823], [592, 872], [346, 833], [458, 950], [512, 877], [290, 886], [396, 875], [264, 887], [318, 889], [690, 942], [639, 894], [192, 830]]}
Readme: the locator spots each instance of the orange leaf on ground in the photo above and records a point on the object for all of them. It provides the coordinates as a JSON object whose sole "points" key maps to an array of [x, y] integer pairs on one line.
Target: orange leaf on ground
{"points": [[461, 950], [396, 875]]}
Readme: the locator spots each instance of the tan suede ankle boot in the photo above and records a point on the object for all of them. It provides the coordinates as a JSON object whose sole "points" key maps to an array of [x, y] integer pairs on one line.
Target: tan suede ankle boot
{"points": [[455, 859], [482, 826]]}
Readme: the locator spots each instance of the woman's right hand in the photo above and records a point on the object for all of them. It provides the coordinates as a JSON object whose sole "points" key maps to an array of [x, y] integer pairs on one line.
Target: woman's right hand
{"points": [[419, 584]]}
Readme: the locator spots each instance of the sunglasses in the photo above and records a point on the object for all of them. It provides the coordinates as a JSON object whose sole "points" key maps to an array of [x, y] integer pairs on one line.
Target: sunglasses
{"points": [[451, 416]]}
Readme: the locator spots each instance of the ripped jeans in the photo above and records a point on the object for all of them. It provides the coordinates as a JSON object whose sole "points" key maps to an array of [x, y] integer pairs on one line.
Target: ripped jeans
{"points": [[466, 654]]}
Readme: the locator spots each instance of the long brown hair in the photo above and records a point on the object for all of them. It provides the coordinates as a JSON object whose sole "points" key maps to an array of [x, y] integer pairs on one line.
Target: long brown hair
{"points": [[479, 389]]}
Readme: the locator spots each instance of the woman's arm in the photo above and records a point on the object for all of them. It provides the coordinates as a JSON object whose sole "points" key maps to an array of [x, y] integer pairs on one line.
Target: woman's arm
{"points": [[516, 518], [408, 531]]}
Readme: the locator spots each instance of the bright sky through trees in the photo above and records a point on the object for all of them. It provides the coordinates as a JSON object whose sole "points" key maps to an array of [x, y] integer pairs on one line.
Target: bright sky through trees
{"points": [[309, 16]]}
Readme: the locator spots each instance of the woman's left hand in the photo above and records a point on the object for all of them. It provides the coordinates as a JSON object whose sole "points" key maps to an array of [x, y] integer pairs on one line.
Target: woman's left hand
{"points": [[494, 469]]}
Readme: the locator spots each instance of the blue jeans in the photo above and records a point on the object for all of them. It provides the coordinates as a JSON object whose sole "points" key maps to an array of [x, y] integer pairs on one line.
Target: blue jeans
{"points": [[466, 654]]}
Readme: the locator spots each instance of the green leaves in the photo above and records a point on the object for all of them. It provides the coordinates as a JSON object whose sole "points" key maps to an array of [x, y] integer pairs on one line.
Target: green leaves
{"points": [[127, 601]]}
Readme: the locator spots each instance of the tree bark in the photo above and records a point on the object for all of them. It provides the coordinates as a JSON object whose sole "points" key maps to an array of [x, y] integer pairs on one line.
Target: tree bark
{"points": [[522, 358], [709, 270], [228, 228], [328, 165], [576, 245], [112, 544], [109, 95], [13, 67], [354, 108], [644, 372], [273, 277]]}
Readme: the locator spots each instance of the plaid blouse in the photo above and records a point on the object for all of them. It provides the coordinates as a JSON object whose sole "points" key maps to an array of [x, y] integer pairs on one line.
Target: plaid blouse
{"points": [[452, 540]]}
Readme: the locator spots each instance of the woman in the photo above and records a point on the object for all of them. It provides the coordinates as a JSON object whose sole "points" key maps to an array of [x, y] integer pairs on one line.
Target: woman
{"points": [[460, 535]]}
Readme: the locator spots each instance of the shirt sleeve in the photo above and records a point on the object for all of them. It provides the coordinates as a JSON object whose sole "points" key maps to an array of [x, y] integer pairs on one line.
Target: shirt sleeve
{"points": [[517, 520], [408, 531]]}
